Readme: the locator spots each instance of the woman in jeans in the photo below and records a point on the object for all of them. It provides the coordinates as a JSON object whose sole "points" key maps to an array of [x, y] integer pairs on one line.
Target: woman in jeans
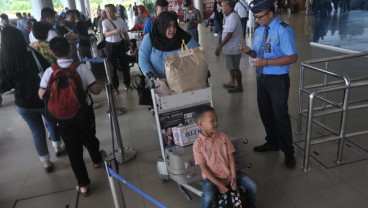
{"points": [[19, 69]]}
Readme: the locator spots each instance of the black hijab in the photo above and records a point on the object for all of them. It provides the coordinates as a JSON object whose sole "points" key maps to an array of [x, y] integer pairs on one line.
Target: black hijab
{"points": [[158, 34]]}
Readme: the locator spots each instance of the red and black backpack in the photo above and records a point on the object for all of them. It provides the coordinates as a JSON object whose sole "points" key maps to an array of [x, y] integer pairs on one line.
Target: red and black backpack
{"points": [[65, 98]]}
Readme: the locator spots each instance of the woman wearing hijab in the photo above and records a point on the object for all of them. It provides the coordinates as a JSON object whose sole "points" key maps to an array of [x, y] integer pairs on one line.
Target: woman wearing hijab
{"points": [[165, 39]]}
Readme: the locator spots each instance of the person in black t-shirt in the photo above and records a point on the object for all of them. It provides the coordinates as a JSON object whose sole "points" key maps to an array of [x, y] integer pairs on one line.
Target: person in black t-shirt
{"points": [[19, 69]]}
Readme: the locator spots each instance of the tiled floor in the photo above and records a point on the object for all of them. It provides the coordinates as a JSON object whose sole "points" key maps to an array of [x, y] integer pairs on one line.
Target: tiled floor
{"points": [[24, 184]]}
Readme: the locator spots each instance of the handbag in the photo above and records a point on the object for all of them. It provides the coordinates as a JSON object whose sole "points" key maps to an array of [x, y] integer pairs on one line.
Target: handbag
{"points": [[186, 70], [101, 45], [123, 41], [144, 93], [230, 199], [5, 83]]}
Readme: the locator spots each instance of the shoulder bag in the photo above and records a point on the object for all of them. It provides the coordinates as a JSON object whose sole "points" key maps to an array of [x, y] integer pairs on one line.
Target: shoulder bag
{"points": [[40, 69], [123, 41]]}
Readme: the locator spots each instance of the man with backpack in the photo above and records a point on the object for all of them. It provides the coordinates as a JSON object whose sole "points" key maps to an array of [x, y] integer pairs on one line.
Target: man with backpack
{"points": [[242, 8], [64, 87]]}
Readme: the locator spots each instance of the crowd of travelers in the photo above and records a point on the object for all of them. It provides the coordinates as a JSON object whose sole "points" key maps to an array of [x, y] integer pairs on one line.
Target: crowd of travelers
{"points": [[34, 53]]}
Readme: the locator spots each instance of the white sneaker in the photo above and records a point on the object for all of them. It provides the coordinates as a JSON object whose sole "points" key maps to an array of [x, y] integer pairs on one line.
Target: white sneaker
{"points": [[216, 34]]}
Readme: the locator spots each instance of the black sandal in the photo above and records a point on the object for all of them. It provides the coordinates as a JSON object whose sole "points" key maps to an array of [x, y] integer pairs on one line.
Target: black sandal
{"points": [[84, 193], [103, 155]]}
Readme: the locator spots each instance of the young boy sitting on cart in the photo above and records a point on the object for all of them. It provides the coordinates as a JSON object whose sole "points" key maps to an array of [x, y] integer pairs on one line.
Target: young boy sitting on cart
{"points": [[213, 152]]}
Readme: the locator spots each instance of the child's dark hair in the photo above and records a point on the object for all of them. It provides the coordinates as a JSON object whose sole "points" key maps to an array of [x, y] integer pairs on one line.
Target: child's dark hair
{"points": [[69, 12], [47, 12], [199, 112], [60, 47], [4, 17], [76, 12], [40, 30]]}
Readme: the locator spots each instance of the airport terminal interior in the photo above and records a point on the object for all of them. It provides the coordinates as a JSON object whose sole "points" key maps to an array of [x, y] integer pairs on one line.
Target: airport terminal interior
{"points": [[328, 184]]}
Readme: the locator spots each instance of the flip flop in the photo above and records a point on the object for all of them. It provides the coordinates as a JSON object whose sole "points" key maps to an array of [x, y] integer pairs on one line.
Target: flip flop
{"points": [[103, 155], [235, 89]]}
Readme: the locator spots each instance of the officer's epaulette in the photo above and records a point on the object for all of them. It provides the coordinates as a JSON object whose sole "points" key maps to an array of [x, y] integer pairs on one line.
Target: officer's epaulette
{"points": [[284, 24]]}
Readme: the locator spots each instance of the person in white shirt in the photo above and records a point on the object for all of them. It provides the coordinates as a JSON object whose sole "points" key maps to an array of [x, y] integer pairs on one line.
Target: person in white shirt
{"points": [[82, 132], [242, 8], [192, 17], [47, 17], [117, 40], [231, 40]]}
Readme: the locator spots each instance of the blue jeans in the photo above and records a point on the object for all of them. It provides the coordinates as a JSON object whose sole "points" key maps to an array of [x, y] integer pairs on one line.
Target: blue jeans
{"points": [[194, 34], [33, 118], [210, 191]]}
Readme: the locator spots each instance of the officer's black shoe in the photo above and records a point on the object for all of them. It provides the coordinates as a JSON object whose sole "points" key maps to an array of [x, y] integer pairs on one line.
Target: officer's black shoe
{"points": [[266, 147], [290, 160]]}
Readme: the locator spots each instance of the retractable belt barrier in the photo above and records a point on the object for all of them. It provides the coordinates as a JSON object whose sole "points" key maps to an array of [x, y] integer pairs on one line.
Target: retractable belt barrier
{"points": [[121, 179], [95, 60]]}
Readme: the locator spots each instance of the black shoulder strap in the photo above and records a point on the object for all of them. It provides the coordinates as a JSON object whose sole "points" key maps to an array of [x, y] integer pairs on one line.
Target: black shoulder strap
{"points": [[113, 24], [240, 1]]}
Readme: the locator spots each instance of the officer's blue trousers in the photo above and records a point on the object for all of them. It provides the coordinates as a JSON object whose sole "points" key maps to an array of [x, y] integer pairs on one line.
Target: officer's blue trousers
{"points": [[272, 97]]}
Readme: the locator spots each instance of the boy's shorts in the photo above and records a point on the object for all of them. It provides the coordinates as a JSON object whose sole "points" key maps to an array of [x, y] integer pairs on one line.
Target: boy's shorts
{"points": [[232, 61]]}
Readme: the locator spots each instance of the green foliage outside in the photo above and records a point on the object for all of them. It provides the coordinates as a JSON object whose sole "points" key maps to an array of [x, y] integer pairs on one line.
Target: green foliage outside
{"points": [[13, 6]]}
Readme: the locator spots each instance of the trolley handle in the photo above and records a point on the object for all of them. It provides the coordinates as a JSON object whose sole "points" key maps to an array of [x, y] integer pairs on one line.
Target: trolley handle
{"points": [[150, 80]]}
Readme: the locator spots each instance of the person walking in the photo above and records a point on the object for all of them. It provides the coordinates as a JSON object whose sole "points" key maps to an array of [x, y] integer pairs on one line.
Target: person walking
{"points": [[219, 18], [21, 25], [18, 64], [192, 17], [242, 8], [231, 40], [161, 6], [116, 32], [274, 48]]}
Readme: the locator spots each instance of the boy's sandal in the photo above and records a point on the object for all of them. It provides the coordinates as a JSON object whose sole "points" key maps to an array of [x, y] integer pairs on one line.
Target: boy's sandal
{"points": [[84, 190], [103, 155], [235, 89], [61, 152]]}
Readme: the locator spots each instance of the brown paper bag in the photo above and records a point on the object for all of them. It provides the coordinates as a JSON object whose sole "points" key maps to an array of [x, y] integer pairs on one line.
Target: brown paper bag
{"points": [[186, 70]]}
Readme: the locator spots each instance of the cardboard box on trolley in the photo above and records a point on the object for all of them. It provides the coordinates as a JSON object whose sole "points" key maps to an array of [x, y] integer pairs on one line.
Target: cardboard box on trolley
{"points": [[185, 135]]}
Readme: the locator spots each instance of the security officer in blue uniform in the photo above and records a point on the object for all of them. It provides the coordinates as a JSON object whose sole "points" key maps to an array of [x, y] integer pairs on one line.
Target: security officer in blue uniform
{"points": [[273, 52]]}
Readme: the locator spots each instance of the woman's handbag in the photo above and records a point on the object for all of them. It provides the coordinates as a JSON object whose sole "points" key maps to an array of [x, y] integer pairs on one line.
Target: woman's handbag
{"points": [[186, 70], [5, 83], [230, 199], [144, 93]]}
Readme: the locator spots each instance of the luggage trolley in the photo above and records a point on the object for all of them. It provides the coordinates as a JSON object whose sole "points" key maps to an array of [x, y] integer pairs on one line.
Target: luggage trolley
{"points": [[176, 162]]}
